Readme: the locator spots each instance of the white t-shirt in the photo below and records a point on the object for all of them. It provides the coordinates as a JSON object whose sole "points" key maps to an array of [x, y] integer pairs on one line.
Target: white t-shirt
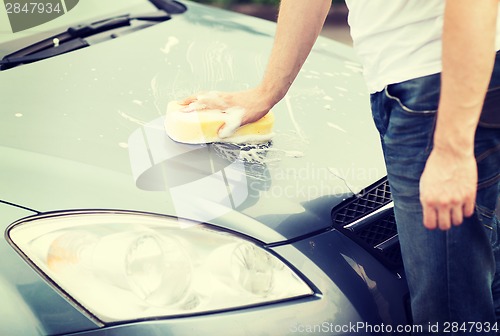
{"points": [[398, 40]]}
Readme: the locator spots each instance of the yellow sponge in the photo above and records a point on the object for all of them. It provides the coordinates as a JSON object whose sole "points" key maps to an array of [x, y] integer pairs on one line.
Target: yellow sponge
{"points": [[203, 127]]}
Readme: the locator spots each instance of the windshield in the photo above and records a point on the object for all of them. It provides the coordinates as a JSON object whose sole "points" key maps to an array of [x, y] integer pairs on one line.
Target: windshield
{"points": [[77, 36], [84, 11]]}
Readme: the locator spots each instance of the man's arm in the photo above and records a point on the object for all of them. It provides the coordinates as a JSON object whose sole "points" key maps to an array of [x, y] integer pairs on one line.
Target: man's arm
{"points": [[299, 24], [448, 184]]}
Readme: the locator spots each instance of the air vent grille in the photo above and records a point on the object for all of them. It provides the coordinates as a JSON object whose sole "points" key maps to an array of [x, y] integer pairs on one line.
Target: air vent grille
{"points": [[378, 235], [373, 198]]}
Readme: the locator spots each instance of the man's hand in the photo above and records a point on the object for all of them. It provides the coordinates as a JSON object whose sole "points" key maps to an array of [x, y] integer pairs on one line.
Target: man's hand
{"points": [[249, 105], [448, 188]]}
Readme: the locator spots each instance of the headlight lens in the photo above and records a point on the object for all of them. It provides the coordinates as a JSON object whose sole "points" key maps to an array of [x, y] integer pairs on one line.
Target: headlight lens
{"points": [[125, 266]]}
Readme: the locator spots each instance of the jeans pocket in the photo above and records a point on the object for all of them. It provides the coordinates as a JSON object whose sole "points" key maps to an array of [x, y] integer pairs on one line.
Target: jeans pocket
{"points": [[417, 96], [410, 129]]}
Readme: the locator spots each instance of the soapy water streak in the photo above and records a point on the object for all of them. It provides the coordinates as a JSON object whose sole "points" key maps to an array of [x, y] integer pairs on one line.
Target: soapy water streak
{"points": [[172, 41], [298, 129], [132, 119], [259, 153], [337, 174]]}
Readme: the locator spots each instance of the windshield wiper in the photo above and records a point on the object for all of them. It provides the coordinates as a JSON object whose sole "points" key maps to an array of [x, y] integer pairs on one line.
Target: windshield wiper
{"points": [[73, 39]]}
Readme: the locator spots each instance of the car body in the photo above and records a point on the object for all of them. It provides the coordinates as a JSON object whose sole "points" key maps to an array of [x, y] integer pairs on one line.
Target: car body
{"points": [[83, 147]]}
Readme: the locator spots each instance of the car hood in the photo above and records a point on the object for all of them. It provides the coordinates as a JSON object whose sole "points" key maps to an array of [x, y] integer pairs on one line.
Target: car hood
{"points": [[84, 130]]}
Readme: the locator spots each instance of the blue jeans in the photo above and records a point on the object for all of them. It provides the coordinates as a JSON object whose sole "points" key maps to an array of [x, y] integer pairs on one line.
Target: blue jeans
{"points": [[451, 275]]}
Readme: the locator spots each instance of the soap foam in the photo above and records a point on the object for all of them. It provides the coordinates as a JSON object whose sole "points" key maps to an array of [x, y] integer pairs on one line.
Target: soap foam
{"points": [[251, 153], [232, 119], [261, 153]]}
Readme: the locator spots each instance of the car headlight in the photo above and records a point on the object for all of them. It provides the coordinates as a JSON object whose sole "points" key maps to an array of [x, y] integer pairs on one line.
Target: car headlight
{"points": [[126, 265]]}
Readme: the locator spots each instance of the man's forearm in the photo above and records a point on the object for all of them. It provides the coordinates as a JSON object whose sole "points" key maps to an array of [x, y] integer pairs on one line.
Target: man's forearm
{"points": [[299, 24], [468, 58], [449, 181]]}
